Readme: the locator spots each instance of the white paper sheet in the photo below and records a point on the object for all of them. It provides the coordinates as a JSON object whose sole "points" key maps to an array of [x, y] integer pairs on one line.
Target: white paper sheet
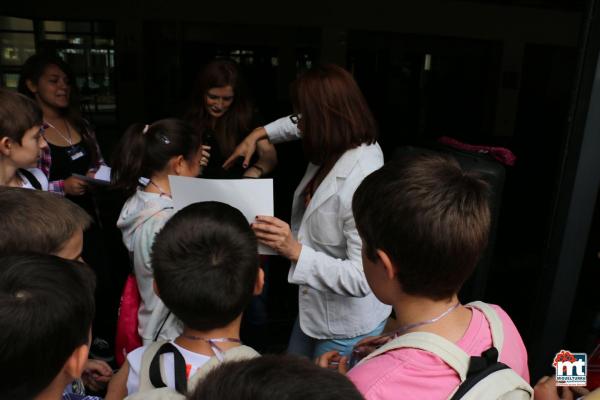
{"points": [[251, 196], [103, 173], [101, 177]]}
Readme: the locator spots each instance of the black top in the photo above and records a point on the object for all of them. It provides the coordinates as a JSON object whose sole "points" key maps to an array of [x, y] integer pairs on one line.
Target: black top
{"points": [[69, 160], [214, 169]]}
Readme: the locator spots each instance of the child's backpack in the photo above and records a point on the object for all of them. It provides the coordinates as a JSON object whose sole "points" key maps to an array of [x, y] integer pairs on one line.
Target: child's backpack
{"points": [[481, 377], [31, 178], [152, 372], [127, 338]]}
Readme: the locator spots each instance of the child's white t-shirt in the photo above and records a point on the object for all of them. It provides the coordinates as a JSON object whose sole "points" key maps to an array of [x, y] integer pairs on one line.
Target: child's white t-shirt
{"points": [[38, 174], [193, 361]]}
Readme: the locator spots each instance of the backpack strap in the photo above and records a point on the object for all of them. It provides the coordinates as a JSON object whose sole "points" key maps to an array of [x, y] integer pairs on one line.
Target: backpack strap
{"points": [[31, 178], [154, 351], [494, 321], [147, 357], [238, 353], [450, 353], [179, 369]]}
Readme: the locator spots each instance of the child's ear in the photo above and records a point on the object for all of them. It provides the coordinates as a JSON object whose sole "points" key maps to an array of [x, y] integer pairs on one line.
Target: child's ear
{"points": [[155, 287], [178, 164], [76, 362], [388, 265], [5, 145], [260, 282]]}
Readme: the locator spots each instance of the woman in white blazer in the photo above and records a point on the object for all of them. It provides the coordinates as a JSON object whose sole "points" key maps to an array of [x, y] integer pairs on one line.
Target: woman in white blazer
{"points": [[336, 305]]}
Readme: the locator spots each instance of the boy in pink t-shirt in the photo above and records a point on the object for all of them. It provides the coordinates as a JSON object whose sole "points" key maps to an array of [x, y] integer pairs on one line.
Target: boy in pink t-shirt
{"points": [[424, 223]]}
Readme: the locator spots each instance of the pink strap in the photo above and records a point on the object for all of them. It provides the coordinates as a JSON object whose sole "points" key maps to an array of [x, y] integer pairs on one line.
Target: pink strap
{"points": [[501, 154]]}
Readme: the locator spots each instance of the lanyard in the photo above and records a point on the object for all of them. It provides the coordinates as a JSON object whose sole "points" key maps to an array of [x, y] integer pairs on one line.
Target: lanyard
{"points": [[69, 139], [408, 327], [162, 192], [213, 344]]}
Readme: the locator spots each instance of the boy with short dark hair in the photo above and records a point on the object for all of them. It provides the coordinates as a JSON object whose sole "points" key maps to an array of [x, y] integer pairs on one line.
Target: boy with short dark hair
{"points": [[424, 223], [44, 223], [46, 312], [206, 271], [21, 141], [41, 222]]}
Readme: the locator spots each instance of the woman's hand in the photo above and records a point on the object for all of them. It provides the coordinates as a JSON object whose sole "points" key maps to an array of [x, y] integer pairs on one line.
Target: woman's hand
{"points": [[253, 172], [205, 155], [333, 360], [246, 148], [276, 234], [75, 186]]}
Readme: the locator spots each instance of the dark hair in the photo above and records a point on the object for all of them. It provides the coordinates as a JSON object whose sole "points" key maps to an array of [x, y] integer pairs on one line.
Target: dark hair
{"points": [[430, 217], [18, 114], [144, 151], [37, 221], [46, 309], [33, 69], [205, 264], [335, 114], [238, 119], [274, 377]]}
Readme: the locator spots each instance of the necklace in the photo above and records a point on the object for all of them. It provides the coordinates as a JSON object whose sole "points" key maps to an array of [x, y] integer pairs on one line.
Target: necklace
{"points": [[407, 327], [68, 139]]}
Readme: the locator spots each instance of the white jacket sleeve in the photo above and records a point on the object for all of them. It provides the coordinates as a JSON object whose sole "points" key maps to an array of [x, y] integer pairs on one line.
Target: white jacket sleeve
{"points": [[282, 130], [323, 272]]}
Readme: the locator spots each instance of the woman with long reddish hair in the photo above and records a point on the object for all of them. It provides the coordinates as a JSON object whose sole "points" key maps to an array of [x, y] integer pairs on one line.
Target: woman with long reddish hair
{"points": [[336, 305], [221, 111]]}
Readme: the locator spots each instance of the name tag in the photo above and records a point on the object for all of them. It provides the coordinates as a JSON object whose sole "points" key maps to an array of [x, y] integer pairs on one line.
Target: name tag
{"points": [[75, 152]]}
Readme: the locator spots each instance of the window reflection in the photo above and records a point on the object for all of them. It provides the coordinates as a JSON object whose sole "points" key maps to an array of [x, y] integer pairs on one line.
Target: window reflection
{"points": [[87, 46]]}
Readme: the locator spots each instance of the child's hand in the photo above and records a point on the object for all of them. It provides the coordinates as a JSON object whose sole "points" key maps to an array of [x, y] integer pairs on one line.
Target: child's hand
{"points": [[333, 360], [117, 387], [96, 374], [368, 345], [546, 389], [373, 342]]}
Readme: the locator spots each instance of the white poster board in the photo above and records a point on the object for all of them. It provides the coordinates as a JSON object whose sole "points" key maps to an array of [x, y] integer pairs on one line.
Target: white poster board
{"points": [[251, 196]]}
